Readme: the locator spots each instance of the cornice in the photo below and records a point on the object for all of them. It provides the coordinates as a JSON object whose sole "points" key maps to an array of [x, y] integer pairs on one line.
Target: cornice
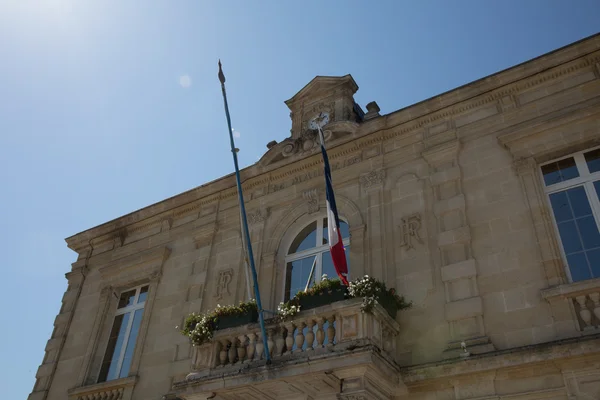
{"points": [[413, 119], [517, 357]]}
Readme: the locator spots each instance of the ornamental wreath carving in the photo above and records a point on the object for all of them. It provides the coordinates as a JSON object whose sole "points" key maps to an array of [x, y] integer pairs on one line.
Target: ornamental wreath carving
{"points": [[372, 179], [312, 200]]}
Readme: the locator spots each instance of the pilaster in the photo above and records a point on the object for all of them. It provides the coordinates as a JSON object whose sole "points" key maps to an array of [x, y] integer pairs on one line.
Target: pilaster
{"points": [[464, 305]]}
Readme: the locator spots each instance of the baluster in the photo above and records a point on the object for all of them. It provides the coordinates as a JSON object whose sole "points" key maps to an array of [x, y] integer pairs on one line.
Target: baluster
{"points": [[595, 297], [251, 346], [320, 332], [585, 314], [330, 331], [260, 347], [270, 342], [223, 352], [310, 335], [289, 339], [300, 336], [241, 350], [279, 341], [232, 351]]}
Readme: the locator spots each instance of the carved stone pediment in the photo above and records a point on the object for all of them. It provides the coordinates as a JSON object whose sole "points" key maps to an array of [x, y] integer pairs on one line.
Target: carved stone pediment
{"points": [[324, 94]]}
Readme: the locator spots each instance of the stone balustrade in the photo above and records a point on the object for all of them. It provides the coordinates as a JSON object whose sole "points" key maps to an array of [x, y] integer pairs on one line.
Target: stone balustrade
{"points": [[584, 298], [322, 330], [118, 389], [588, 309]]}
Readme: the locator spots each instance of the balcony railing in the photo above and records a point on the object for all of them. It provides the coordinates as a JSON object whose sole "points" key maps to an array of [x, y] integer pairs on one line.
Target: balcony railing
{"points": [[320, 331], [119, 389], [584, 298]]}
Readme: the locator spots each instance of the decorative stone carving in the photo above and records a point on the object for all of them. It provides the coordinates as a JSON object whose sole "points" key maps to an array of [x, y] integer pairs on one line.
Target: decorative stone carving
{"points": [[222, 285], [372, 179], [312, 200], [257, 216], [411, 226], [166, 224], [119, 238], [352, 160], [305, 142]]}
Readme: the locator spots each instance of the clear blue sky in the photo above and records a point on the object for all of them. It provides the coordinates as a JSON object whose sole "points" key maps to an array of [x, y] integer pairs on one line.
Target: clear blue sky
{"points": [[95, 122]]}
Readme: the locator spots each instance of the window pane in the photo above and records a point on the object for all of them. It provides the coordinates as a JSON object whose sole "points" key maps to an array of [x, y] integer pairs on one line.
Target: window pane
{"points": [[560, 206], [570, 237], [344, 229], [298, 273], [126, 298], [135, 327], [143, 294], [578, 231], [580, 206], [560, 171], [597, 187], [578, 266], [592, 158], [113, 350], [594, 260], [307, 239], [328, 267], [589, 232], [325, 231]]}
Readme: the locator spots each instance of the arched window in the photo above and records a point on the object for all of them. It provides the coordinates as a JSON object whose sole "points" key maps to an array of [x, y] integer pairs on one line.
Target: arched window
{"points": [[309, 258]]}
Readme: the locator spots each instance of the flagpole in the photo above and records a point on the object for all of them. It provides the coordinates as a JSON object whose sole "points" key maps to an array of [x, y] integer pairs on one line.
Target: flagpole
{"points": [[246, 232]]}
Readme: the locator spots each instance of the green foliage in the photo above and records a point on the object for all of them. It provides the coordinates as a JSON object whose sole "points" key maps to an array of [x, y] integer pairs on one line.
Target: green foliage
{"points": [[326, 285], [371, 290], [200, 327]]}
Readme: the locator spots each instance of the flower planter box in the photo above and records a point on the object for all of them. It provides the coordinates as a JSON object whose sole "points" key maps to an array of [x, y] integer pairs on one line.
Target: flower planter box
{"points": [[308, 302], [231, 321], [388, 303]]}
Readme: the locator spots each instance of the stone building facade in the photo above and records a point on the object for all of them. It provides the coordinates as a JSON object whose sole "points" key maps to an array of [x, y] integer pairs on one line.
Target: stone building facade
{"points": [[480, 205]]}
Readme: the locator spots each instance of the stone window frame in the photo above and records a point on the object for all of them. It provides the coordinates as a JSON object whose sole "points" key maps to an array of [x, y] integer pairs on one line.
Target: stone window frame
{"points": [[532, 144], [581, 181], [295, 230], [137, 270]]}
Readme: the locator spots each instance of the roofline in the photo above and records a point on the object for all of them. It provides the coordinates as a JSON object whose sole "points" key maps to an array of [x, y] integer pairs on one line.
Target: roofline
{"points": [[503, 71], [404, 109]]}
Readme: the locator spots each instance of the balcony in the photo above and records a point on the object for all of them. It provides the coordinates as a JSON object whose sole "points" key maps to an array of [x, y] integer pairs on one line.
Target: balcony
{"points": [[333, 350], [112, 390], [583, 298]]}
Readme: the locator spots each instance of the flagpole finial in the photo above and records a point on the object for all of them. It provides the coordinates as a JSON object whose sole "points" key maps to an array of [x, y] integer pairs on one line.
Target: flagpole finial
{"points": [[221, 75]]}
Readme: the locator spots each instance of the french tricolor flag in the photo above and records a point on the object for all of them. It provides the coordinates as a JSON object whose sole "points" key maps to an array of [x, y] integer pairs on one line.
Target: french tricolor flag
{"points": [[333, 221]]}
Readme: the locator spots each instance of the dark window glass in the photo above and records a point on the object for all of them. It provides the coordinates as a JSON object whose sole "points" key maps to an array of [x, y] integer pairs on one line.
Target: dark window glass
{"points": [[143, 294], [327, 264], [135, 328], [592, 158], [126, 298], [560, 206], [594, 260], [299, 271], [108, 370], [578, 232], [560, 171], [578, 266], [307, 239]]}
